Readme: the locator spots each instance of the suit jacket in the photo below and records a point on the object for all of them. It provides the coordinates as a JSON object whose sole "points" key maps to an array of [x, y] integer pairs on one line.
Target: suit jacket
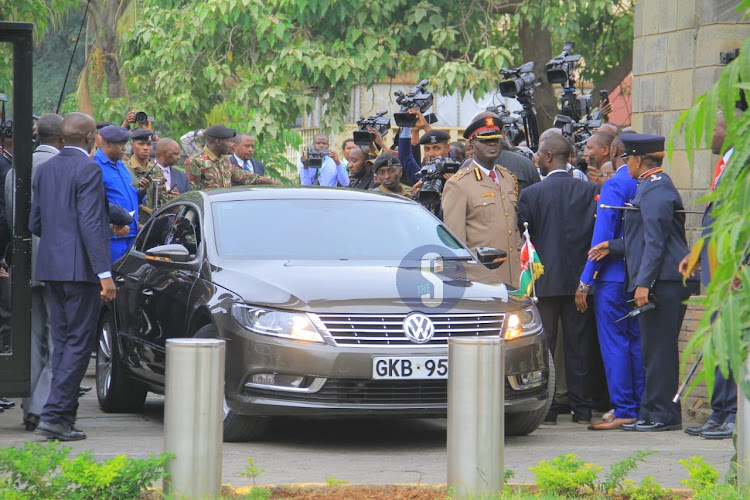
{"points": [[258, 166], [179, 180], [560, 212], [41, 154], [483, 214], [69, 214]]}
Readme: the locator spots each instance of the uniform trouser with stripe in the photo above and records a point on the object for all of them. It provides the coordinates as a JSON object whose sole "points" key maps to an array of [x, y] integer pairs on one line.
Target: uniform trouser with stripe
{"points": [[660, 329], [620, 344]]}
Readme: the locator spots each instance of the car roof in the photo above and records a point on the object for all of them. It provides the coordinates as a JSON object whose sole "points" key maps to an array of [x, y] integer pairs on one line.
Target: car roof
{"points": [[297, 193]]}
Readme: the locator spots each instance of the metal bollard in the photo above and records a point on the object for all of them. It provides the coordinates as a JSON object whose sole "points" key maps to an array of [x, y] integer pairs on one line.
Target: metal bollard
{"points": [[743, 430], [193, 417], [476, 420]]}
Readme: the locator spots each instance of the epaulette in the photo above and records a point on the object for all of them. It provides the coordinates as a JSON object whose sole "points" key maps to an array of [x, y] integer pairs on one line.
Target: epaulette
{"points": [[460, 173], [477, 173]]}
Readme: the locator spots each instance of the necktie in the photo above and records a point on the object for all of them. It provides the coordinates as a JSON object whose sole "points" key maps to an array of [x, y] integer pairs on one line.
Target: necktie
{"points": [[493, 175], [245, 167]]}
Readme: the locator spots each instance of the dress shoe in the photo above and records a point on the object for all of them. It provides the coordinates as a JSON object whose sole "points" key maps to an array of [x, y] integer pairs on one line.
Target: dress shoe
{"points": [[61, 432], [31, 421], [551, 418], [83, 389], [631, 426], [710, 425], [581, 417], [657, 427], [610, 423], [724, 431], [6, 403]]}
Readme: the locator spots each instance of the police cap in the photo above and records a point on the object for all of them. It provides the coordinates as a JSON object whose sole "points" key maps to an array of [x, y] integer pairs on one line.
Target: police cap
{"points": [[385, 160], [641, 144], [142, 135], [113, 133], [220, 132], [489, 127], [435, 136], [119, 216]]}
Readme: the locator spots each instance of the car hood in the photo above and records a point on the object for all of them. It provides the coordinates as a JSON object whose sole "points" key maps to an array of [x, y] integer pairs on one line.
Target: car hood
{"points": [[366, 286]]}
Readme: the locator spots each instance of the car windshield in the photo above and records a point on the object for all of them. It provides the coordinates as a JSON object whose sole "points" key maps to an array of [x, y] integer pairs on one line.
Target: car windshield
{"points": [[326, 229]]}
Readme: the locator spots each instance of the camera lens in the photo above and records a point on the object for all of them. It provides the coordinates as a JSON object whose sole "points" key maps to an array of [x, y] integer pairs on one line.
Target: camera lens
{"points": [[141, 117]]}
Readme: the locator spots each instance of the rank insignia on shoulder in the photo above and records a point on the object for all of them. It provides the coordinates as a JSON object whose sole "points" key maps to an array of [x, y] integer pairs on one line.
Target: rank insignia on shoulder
{"points": [[488, 195], [458, 174], [655, 178], [477, 173]]}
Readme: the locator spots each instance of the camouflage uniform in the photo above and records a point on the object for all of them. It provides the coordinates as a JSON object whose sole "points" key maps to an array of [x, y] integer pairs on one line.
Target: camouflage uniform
{"points": [[205, 170], [406, 191], [146, 208]]}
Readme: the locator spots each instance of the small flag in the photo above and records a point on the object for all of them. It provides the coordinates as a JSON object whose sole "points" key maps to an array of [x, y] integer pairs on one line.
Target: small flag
{"points": [[531, 266]]}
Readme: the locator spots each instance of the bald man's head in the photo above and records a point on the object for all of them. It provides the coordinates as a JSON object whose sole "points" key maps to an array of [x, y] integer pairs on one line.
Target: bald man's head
{"points": [[616, 151], [167, 152], [79, 129], [548, 133], [553, 153]]}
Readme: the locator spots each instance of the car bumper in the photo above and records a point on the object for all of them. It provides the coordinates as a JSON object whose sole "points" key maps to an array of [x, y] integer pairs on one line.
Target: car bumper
{"points": [[337, 380]]}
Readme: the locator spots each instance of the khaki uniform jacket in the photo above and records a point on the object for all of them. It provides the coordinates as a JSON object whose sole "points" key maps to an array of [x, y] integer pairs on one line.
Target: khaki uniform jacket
{"points": [[483, 214], [146, 208]]}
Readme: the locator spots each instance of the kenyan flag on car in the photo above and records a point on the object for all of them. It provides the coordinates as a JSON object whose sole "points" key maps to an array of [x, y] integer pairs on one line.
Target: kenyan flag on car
{"points": [[531, 266]]}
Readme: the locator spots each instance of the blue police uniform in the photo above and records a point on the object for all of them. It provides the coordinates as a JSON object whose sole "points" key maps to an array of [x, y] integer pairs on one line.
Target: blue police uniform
{"points": [[620, 342], [121, 190], [654, 244]]}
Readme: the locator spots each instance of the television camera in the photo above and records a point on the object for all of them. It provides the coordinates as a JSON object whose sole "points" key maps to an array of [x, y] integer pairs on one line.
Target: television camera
{"points": [[418, 98], [519, 83], [378, 121]]}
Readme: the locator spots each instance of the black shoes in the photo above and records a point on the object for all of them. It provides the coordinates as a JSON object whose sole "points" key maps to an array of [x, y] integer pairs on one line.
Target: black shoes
{"points": [[31, 421], [710, 425], [61, 431], [581, 418], [83, 389], [551, 418], [631, 426], [6, 404], [656, 426], [724, 431]]}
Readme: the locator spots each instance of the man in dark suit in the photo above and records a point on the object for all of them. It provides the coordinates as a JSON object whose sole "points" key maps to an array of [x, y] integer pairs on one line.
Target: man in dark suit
{"points": [[173, 181], [69, 214], [560, 212], [243, 155]]}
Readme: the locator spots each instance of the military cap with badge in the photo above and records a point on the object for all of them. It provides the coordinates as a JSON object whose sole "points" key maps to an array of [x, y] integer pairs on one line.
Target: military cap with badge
{"points": [[142, 135], [220, 132], [641, 144], [484, 129], [386, 160], [435, 136]]}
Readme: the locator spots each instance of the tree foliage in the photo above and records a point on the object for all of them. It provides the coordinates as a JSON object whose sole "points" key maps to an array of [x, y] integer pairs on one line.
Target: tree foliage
{"points": [[725, 341]]}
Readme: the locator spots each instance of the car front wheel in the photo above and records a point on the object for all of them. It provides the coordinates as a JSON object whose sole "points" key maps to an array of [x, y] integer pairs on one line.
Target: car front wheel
{"points": [[237, 427], [115, 391]]}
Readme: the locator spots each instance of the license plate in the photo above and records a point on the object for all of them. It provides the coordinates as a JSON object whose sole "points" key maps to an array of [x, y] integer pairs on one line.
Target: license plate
{"points": [[410, 367]]}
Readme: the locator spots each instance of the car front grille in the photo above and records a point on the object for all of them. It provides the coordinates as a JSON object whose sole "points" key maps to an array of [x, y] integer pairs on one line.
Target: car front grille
{"points": [[388, 329]]}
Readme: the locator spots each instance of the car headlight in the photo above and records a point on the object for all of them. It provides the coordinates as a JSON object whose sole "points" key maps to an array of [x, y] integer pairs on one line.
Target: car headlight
{"points": [[524, 322], [295, 326]]}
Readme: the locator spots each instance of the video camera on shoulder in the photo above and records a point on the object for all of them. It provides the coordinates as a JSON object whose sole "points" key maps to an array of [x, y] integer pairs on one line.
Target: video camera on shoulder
{"points": [[418, 98], [315, 158], [511, 129], [432, 175], [378, 121]]}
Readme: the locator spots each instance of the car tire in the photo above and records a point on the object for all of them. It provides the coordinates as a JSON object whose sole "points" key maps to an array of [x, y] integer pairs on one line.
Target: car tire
{"points": [[115, 391], [237, 428], [524, 423]]}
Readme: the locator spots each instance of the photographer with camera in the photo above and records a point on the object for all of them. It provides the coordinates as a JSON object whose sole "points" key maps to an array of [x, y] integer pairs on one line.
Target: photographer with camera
{"points": [[321, 167], [479, 201]]}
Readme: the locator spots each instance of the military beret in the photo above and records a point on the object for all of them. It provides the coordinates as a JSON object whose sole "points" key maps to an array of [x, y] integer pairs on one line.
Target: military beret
{"points": [[119, 216], [488, 127], [385, 160], [220, 132], [112, 133], [435, 136], [641, 144], [101, 125], [142, 134]]}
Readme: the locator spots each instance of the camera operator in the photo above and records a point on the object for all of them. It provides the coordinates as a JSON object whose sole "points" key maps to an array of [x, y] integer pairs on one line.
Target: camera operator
{"points": [[360, 170], [331, 171], [388, 171], [479, 202], [435, 144]]}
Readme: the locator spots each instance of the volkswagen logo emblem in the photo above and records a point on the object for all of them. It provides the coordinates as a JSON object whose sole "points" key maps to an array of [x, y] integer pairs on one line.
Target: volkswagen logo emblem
{"points": [[418, 328]]}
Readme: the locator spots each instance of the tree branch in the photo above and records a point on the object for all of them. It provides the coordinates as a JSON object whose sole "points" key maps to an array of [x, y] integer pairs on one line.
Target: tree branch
{"points": [[614, 77]]}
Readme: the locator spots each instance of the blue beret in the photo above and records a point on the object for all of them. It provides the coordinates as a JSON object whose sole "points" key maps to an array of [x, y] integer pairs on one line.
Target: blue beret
{"points": [[119, 216], [641, 144], [435, 136], [142, 134], [112, 133], [220, 132]]}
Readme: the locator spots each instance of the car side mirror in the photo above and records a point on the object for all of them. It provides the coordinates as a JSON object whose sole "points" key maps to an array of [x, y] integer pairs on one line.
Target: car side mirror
{"points": [[492, 258], [169, 253]]}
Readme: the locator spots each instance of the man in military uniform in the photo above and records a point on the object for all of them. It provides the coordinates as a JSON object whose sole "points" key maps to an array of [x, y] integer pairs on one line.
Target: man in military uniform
{"points": [[388, 171], [653, 245], [140, 165], [211, 168], [480, 200]]}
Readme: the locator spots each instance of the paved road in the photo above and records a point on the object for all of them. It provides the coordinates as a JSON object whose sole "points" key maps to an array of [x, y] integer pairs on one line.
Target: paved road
{"points": [[375, 450]]}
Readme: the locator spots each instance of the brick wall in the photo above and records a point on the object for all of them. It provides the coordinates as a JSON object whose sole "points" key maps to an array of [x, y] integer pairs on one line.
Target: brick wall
{"points": [[676, 50]]}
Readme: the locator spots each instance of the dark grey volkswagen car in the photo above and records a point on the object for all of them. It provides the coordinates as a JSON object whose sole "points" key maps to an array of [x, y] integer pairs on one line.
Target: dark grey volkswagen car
{"points": [[333, 302]]}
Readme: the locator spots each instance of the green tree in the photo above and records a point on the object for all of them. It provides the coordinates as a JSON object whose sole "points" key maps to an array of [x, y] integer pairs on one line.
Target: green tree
{"points": [[725, 341], [263, 63]]}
